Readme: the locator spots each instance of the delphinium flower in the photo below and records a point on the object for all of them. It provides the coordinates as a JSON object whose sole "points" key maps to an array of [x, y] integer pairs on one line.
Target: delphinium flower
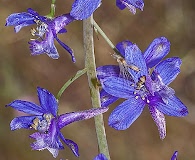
{"points": [[143, 87], [174, 156], [82, 9], [130, 4], [46, 121], [100, 156], [46, 31]]}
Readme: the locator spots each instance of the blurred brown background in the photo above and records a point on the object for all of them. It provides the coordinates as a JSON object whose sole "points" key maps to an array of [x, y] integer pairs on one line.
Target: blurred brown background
{"points": [[21, 73]]}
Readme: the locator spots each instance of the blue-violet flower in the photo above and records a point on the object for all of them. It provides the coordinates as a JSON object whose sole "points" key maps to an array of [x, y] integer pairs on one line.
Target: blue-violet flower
{"points": [[142, 87], [174, 156], [46, 31], [47, 122]]}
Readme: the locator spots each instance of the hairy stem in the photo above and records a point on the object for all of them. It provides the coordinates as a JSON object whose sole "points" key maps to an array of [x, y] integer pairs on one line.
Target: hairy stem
{"points": [[92, 80]]}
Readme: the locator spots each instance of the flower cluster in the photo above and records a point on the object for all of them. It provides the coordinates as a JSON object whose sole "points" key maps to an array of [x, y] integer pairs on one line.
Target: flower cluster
{"points": [[142, 79], [47, 122]]}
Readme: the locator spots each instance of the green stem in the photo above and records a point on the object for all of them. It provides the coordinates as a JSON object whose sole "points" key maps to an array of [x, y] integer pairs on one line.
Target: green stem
{"points": [[78, 74], [92, 80], [52, 10], [101, 32]]}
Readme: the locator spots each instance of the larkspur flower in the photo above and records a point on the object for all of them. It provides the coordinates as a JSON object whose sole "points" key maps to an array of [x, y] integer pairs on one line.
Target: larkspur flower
{"points": [[82, 9], [130, 4], [174, 156], [46, 31], [46, 121], [100, 156], [144, 87]]}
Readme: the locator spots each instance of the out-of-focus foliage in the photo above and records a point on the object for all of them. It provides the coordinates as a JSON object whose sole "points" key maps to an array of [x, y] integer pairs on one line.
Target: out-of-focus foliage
{"points": [[21, 73]]}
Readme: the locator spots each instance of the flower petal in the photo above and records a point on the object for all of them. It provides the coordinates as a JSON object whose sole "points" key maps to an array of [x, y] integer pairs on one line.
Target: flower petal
{"points": [[48, 140], [121, 46], [71, 144], [107, 71], [66, 119], [174, 107], [126, 113], [168, 69], [22, 122], [130, 4], [60, 22], [47, 101], [159, 119], [47, 46], [106, 99], [156, 51], [68, 49], [26, 107], [174, 156], [134, 56], [100, 156], [118, 87], [19, 20], [83, 9]]}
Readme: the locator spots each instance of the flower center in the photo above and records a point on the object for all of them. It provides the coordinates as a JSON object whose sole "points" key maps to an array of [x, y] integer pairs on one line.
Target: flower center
{"points": [[42, 125], [40, 30]]}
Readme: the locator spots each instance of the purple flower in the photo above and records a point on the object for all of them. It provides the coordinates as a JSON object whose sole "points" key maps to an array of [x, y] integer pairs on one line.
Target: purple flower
{"points": [[100, 156], [82, 9], [142, 87], [174, 156], [130, 4], [45, 120], [46, 31]]}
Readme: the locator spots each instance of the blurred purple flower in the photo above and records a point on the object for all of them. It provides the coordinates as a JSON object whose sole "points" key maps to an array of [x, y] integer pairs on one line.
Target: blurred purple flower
{"points": [[174, 156], [46, 31], [130, 4], [141, 88], [82, 9], [45, 120], [100, 156]]}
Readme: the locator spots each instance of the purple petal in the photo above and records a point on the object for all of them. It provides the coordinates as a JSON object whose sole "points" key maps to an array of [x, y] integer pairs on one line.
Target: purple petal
{"points": [[22, 122], [130, 4], [134, 56], [168, 69], [126, 113], [156, 51], [106, 99], [159, 119], [19, 20], [60, 22], [66, 119], [47, 101], [100, 156], [49, 140], [107, 71], [121, 46], [46, 46], [82, 9], [174, 107], [174, 156], [26, 107], [118, 87], [37, 16], [71, 144], [68, 49]]}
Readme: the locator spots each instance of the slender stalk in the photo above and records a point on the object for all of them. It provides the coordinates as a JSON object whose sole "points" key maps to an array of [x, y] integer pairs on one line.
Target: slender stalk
{"points": [[101, 32], [70, 81], [52, 10], [92, 80]]}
